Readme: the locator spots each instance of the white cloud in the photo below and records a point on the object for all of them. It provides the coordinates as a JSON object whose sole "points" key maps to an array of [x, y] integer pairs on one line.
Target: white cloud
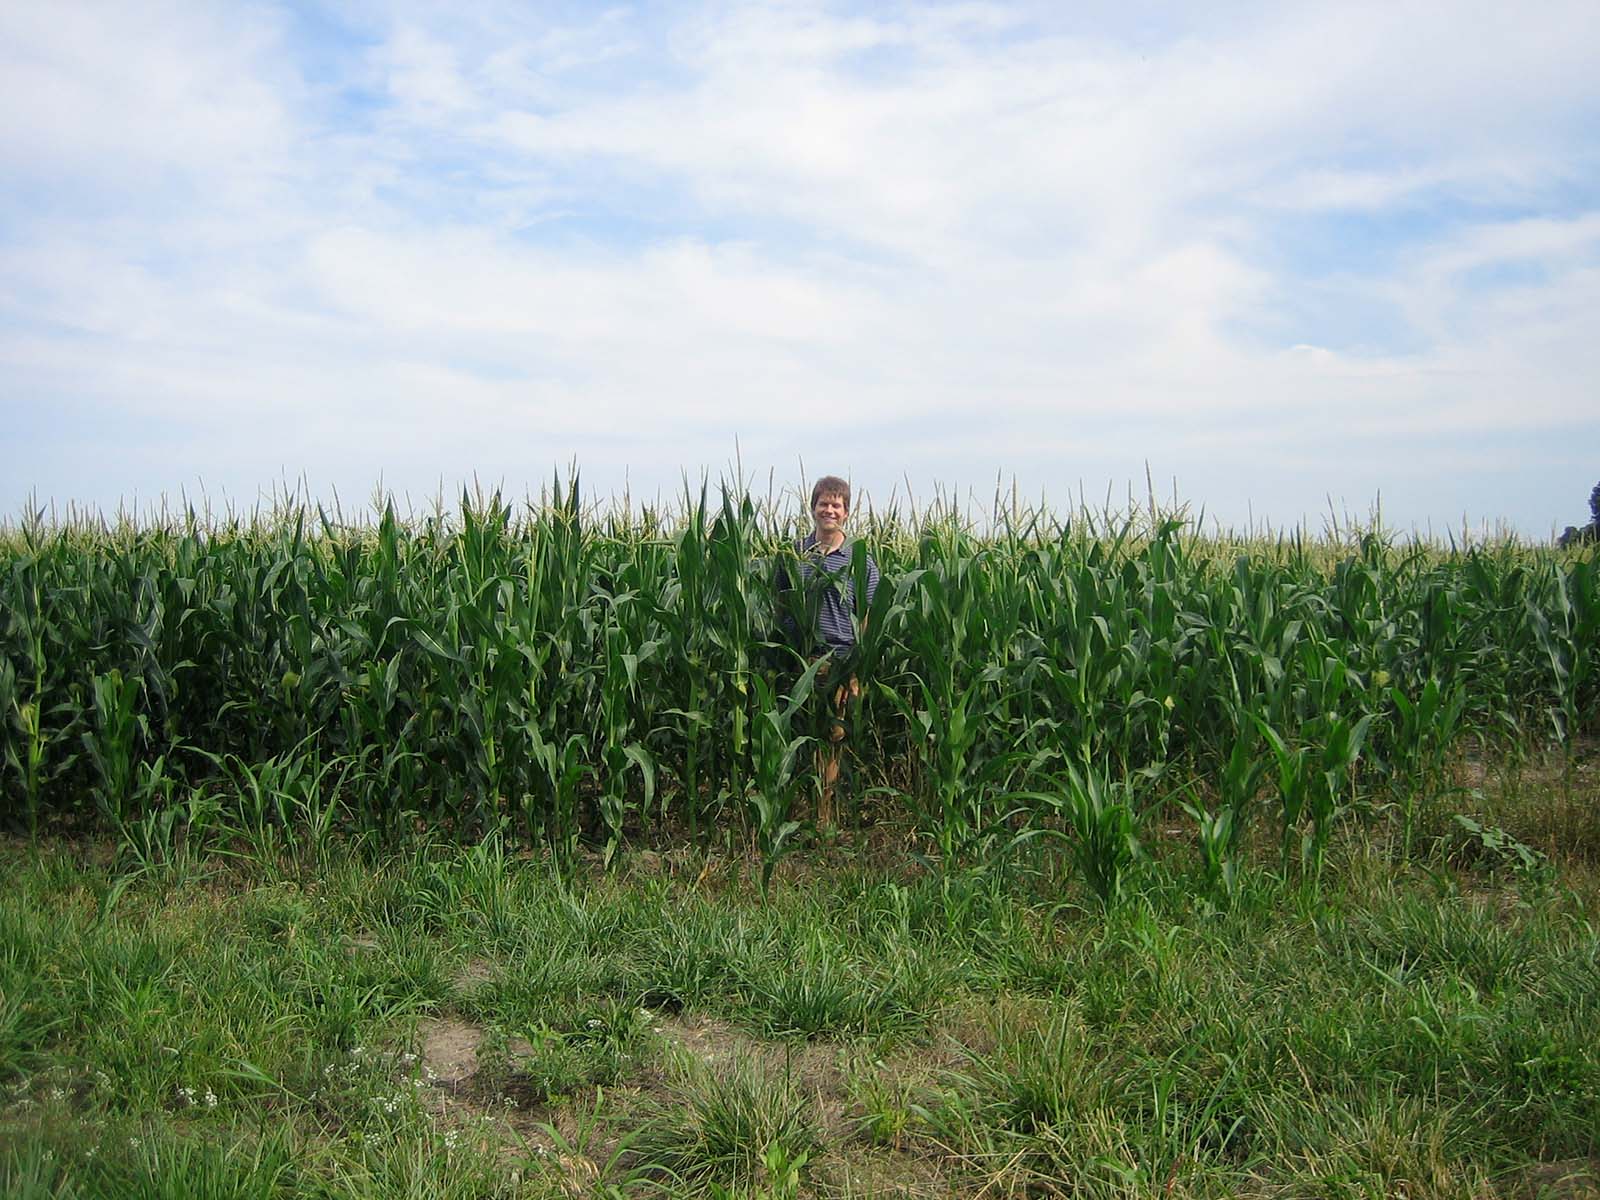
{"points": [[769, 219], [423, 75], [117, 93]]}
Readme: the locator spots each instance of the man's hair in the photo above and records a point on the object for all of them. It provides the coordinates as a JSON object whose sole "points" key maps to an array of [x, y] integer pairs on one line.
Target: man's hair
{"points": [[831, 485]]}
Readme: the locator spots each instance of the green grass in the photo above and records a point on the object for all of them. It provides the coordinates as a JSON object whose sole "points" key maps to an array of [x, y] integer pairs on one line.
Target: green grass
{"points": [[1417, 1026]]}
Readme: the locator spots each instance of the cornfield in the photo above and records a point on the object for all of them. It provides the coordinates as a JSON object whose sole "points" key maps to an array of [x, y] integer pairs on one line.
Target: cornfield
{"points": [[605, 675]]}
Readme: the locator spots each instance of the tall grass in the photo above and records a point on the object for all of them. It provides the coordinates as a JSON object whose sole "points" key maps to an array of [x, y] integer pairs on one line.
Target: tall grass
{"points": [[571, 673]]}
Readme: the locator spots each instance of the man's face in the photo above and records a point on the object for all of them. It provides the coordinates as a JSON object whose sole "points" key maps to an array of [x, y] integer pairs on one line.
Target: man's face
{"points": [[829, 513]]}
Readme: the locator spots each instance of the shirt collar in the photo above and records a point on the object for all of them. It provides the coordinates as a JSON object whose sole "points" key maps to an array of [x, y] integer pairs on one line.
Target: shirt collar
{"points": [[810, 543]]}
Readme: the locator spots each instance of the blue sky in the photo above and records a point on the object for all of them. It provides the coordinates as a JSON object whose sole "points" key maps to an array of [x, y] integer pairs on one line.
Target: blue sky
{"points": [[1293, 257]]}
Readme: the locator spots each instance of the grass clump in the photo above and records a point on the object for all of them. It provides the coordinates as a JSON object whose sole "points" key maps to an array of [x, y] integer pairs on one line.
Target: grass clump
{"points": [[738, 1122]]}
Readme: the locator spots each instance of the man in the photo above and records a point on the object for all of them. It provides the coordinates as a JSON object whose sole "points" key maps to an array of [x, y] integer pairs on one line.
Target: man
{"points": [[825, 560]]}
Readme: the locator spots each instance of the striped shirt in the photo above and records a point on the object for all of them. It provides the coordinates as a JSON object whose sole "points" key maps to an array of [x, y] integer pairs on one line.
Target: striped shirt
{"points": [[837, 599]]}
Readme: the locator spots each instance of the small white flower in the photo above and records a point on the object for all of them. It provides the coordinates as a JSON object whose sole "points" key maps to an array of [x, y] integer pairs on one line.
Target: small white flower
{"points": [[416, 1083], [134, 1143], [510, 1101], [58, 1093], [211, 1098], [186, 1094], [593, 1023], [91, 1151], [407, 1059], [451, 1139]]}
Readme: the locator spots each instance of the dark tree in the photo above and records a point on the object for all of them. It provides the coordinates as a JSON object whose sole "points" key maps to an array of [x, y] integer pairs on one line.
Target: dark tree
{"points": [[1574, 536]]}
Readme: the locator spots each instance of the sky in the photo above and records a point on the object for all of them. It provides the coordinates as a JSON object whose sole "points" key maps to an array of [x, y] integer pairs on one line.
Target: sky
{"points": [[1289, 263]]}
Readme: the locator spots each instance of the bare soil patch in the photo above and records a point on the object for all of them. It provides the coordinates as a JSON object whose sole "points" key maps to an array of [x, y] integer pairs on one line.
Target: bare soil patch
{"points": [[475, 972], [814, 1065], [450, 1051]]}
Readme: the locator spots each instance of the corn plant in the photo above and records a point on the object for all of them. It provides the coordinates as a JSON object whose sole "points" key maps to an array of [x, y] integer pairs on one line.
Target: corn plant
{"points": [[111, 741], [590, 671], [1426, 730], [1221, 829], [1293, 779], [622, 750], [286, 807], [1101, 828], [775, 766], [29, 711]]}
